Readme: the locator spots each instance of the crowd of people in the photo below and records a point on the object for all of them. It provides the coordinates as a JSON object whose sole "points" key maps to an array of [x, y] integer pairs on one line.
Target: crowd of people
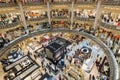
{"points": [[35, 14], [111, 18], [84, 13], [60, 24], [60, 13], [106, 17], [9, 18]]}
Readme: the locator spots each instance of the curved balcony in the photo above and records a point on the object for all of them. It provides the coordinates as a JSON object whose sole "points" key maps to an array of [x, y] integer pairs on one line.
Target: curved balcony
{"points": [[113, 63], [101, 23], [58, 18]]}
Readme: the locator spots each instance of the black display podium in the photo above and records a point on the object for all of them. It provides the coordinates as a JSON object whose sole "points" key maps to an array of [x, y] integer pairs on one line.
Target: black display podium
{"points": [[55, 51]]}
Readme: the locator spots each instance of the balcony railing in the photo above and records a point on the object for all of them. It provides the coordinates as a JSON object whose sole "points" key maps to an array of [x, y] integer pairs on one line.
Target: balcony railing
{"points": [[60, 17], [85, 2], [9, 25], [115, 3], [37, 19], [109, 26], [2, 5], [85, 19], [34, 4], [61, 2]]}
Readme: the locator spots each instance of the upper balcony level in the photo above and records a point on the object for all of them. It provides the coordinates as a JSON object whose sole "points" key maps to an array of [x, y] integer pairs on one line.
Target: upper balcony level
{"points": [[58, 11], [13, 3], [109, 20]]}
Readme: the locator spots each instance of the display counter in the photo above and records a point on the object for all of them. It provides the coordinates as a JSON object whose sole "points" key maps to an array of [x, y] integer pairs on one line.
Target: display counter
{"points": [[74, 73], [21, 69], [15, 63]]}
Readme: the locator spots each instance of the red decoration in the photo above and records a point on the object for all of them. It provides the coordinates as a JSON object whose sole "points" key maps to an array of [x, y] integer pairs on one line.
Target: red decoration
{"points": [[62, 22], [116, 36], [0, 35], [118, 24]]}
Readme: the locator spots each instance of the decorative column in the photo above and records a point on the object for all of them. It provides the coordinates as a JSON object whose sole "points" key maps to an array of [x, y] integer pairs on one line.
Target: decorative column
{"points": [[98, 14], [23, 16], [72, 14], [48, 13], [2, 32]]}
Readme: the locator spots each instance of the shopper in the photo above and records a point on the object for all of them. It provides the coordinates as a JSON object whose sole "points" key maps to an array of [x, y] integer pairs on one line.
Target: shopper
{"points": [[90, 76], [93, 77]]}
